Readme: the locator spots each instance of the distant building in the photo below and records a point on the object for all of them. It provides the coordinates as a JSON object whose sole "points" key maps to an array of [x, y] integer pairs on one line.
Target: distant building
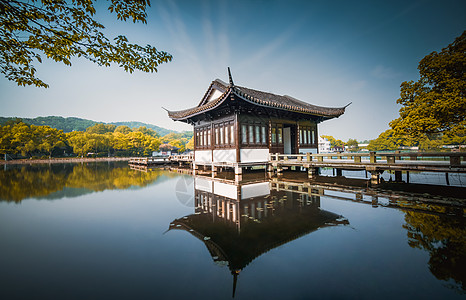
{"points": [[324, 145]]}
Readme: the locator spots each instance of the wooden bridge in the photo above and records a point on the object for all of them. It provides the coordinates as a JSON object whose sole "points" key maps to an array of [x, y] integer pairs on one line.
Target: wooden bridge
{"points": [[161, 160], [372, 162], [375, 163]]}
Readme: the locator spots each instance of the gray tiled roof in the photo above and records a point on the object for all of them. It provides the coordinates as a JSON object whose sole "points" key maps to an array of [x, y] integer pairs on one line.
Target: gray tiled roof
{"points": [[266, 99]]}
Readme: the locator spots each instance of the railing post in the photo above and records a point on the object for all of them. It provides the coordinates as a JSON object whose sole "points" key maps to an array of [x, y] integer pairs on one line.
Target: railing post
{"points": [[372, 157], [320, 158], [455, 161], [390, 159], [357, 159], [308, 156]]}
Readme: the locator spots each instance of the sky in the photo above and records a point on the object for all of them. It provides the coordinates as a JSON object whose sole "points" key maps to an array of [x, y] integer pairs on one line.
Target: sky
{"points": [[327, 53]]}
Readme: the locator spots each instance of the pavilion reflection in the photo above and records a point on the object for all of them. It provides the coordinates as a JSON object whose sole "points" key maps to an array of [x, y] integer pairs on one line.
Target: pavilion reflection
{"points": [[238, 222]]}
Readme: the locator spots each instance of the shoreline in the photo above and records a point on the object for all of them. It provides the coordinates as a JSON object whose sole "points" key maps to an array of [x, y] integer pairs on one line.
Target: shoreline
{"points": [[62, 160]]}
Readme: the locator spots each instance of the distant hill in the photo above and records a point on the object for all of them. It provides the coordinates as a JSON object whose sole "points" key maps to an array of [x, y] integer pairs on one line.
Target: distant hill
{"points": [[135, 124], [78, 124]]}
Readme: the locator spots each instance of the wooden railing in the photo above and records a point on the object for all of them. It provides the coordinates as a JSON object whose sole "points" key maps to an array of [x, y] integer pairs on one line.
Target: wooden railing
{"points": [[182, 158], [370, 157], [148, 160]]}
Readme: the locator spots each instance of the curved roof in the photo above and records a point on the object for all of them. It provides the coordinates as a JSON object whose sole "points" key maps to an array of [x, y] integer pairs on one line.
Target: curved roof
{"points": [[255, 97]]}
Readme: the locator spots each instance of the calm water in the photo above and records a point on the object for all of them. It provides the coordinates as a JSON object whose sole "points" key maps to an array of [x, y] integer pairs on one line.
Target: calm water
{"points": [[103, 231]]}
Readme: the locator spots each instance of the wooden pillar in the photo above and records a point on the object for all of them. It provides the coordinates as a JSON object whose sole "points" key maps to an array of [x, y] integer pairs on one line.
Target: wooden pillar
{"points": [[279, 170], [195, 167], [397, 157], [214, 171], [238, 170], [455, 161], [372, 158], [311, 173], [398, 177], [339, 172], [407, 176], [374, 178], [391, 160]]}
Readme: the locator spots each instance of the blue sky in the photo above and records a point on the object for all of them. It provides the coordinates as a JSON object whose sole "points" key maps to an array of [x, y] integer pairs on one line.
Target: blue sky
{"points": [[326, 53]]}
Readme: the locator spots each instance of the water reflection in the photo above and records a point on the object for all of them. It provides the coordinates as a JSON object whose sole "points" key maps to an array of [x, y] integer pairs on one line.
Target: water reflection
{"points": [[443, 236], [56, 181], [239, 222]]}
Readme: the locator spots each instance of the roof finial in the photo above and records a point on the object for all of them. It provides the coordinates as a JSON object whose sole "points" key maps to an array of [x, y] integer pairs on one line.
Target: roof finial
{"points": [[229, 76]]}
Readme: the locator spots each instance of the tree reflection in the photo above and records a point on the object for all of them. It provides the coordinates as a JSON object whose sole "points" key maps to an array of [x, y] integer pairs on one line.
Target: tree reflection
{"points": [[41, 181], [443, 236]]}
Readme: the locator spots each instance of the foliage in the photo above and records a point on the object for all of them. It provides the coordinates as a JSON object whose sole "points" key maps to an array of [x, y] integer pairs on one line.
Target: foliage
{"points": [[388, 140], [133, 124], [100, 139], [101, 128], [334, 142], [352, 145], [26, 139], [123, 129], [190, 145], [61, 30], [436, 103]]}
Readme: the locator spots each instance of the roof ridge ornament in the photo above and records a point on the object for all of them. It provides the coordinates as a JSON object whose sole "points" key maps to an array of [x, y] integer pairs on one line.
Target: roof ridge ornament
{"points": [[230, 78]]}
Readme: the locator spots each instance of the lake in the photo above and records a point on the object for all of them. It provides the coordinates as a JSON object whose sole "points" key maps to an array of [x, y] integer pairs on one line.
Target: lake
{"points": [[105, 231]]}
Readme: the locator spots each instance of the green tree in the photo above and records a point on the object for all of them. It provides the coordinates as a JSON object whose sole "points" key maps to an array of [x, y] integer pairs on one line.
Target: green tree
{"points": [[389, 140], [436, 103], [190, 144], [352, 144], [79, 141], [101, 128], [147, 131], [48, 138], [61, 30], [123, 129]]}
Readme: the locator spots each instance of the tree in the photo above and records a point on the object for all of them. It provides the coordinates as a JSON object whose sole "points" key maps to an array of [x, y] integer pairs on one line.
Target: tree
{"points": [[190, 144], [389, 140], [101, 128], [352, 144], [147, 131], [48, 138], [61, 30], [123, 129], [436, 103]]}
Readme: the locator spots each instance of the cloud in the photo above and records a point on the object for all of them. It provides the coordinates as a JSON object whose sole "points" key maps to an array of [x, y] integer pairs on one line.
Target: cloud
{"points": [[383, 72]]}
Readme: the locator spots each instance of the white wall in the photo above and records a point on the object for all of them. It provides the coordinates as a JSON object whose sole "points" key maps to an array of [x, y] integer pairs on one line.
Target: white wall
{"points": [[228, 155], [204, 156], [226, 190], [254, 155], [255, 190], [203, 184]]}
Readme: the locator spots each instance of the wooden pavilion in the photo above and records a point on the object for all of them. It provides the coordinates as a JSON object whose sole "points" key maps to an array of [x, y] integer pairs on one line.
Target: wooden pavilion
{"points": [[237, 126]]}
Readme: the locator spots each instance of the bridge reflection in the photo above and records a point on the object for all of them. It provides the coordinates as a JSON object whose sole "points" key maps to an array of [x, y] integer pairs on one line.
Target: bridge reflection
{"points": [[238, 222]]}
